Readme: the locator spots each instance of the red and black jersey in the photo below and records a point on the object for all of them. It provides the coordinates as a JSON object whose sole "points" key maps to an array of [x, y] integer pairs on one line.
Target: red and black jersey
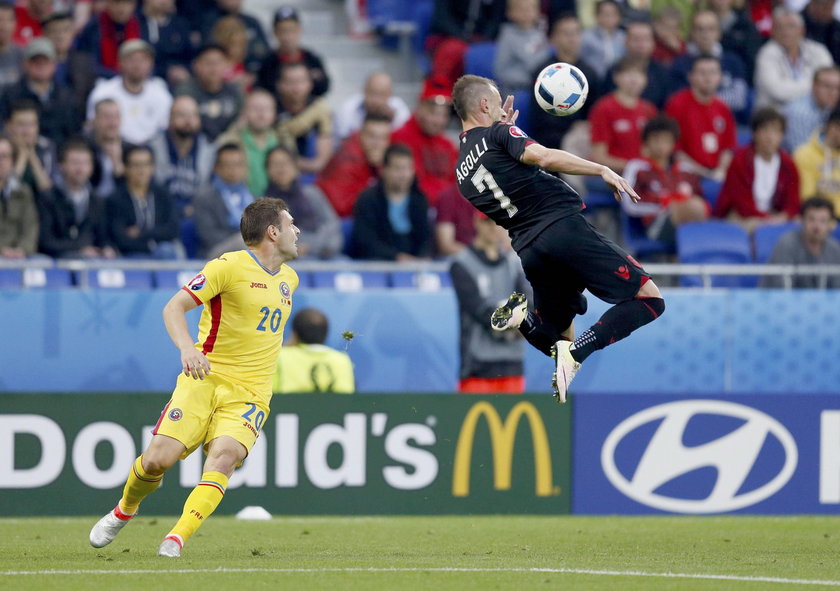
{"points": [[521, 198]]}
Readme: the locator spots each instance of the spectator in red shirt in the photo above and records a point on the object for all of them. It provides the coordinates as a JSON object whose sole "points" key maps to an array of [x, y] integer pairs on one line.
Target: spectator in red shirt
{"points": [[762, 184], [434, 154], [670, 195], [454, 227], [29, 17], [356, 165], [616, 121], [707, 126]]}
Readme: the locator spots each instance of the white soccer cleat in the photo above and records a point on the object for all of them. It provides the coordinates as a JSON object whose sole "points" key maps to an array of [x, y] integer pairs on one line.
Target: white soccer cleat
{"points": [[170, 547], [106, 529], [511, 313], [565, 370]]}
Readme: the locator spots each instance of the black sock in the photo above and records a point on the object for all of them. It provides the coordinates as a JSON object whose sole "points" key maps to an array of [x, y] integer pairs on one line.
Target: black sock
{"points": [[617, 323], [540, 334]]}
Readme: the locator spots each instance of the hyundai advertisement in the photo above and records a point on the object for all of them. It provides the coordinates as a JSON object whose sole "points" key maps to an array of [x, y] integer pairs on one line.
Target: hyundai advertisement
{"points": [[706, 455]]}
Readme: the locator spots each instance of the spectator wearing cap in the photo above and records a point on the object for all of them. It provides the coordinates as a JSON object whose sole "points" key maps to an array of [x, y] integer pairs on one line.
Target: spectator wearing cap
{"points": [[258, 48], [11, 54], [73, 68], [304, 117], [29, 16], [169, 34], [59, 118], [219, 102], [356, 164], [378, 97], [106, 32], [434, 153], [287, 31], [144, 100]]}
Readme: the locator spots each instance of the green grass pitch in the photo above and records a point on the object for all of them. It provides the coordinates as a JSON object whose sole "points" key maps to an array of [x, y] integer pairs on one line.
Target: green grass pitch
{"points": [[431, 553]]}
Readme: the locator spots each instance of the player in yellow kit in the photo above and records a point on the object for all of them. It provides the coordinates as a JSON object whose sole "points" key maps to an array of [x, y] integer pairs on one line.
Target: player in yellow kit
{"points": [[247, 297]]}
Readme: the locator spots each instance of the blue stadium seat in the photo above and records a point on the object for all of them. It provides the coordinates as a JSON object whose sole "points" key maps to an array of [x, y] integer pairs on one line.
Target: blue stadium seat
{"points": [[119, 279], [714, 242], [836, 232], [766, 237], [47, 278], [348, 280], [743, 135], [711, 190], [637, 241], [11, 278], [479, 58], [422, 280]]}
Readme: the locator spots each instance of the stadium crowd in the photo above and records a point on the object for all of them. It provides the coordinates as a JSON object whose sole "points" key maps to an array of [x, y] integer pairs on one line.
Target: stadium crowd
{"points": [[143, 128]]}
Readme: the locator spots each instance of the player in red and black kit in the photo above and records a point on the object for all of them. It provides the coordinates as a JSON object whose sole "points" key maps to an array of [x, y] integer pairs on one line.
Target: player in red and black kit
{"points": [[503, 174]]}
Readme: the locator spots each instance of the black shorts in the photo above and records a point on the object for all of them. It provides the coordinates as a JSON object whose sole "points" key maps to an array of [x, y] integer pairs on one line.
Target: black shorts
{"points": [[569, 256]]}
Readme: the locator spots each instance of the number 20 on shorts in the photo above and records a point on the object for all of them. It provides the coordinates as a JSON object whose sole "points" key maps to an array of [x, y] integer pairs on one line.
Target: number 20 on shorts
{"points": [[258, 418]]}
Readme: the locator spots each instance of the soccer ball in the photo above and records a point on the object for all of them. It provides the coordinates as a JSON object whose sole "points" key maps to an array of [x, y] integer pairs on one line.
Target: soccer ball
{"points": [[561, 89]]}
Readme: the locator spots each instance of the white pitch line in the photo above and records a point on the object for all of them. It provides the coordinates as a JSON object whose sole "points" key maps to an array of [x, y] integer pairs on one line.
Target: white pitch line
{"points": [[568, 571]]}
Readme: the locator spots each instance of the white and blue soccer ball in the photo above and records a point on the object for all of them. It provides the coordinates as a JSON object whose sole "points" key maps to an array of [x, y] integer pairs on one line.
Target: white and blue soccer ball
{"points": [[561, 89]]}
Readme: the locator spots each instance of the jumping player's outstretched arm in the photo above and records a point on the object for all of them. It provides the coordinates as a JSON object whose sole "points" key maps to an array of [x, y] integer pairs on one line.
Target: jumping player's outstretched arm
{"points": [[193, 361], [568, 163]]}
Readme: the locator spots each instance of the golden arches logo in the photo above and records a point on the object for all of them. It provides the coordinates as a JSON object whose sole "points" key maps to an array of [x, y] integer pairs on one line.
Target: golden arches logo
{"points": [[503, 439]]}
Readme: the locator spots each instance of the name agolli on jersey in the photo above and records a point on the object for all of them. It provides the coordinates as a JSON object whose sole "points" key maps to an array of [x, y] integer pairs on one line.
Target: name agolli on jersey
{"points": [[471, 160]]}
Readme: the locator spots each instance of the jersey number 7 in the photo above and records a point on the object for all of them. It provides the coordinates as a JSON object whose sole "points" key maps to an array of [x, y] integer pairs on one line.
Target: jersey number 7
{"points": [[483, 181]]}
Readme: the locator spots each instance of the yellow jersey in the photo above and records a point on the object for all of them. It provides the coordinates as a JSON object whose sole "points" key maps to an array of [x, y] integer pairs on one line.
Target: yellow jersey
{"points": [[313, 368], [245, 311]]}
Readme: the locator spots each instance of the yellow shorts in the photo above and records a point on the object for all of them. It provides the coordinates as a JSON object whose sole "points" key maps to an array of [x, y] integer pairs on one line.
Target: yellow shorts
{"points": [[202, 410]]}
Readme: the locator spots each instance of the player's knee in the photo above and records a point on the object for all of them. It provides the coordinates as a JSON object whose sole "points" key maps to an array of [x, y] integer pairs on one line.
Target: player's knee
{"points": [[156, 463], [656, 305]]}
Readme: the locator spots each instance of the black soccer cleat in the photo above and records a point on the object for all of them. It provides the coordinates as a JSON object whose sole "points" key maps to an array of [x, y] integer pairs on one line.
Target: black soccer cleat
{"points": [[511, 313]]}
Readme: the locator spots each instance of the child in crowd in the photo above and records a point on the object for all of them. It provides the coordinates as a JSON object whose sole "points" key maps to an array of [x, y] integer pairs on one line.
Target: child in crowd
{"points": [[670, 194]]}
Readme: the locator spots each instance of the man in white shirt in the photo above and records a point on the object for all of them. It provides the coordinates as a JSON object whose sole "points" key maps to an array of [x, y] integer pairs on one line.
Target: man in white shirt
{"points": [[785, 65], [378, 97], [144, 101]]}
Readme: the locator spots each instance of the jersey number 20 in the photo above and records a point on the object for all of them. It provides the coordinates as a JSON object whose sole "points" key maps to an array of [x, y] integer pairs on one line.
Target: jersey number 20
{"points": [[483, 180], [273, 322]]}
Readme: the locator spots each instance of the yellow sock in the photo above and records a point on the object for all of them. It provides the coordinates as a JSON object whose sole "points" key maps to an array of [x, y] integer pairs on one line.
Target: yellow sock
{"points": [[138, 486], [202, 501]]}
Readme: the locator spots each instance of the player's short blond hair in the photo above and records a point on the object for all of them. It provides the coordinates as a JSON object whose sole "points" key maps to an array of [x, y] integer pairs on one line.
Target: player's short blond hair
{"points": [[258, 216], [467, 93]]}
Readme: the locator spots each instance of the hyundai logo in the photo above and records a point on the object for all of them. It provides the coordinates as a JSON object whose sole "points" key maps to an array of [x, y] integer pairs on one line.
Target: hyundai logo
{"points": [[732, 457]]}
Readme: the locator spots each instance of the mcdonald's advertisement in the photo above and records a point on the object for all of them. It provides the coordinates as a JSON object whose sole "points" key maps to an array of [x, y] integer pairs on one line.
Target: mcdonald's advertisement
{"points": [[69, 454]]}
